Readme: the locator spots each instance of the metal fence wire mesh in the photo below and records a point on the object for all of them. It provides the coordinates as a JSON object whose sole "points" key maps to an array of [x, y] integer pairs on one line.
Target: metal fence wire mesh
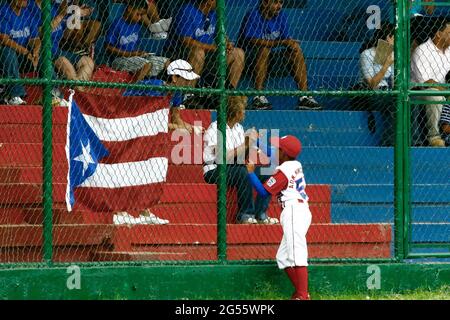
{"points": [[112, 113]]}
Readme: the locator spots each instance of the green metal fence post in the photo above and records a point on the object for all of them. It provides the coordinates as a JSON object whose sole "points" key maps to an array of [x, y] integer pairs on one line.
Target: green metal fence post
{"points": [[407, 136], [47, 131], [399, 139], [221, 124]]}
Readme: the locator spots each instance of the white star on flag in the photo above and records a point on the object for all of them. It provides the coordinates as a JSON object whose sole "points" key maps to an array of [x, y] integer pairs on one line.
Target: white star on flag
{"points": [[85, 157]]}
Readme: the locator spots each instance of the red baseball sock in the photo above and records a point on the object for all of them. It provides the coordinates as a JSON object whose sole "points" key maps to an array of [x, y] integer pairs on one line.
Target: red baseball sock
{"points": [[302, 282], [290, 271]]}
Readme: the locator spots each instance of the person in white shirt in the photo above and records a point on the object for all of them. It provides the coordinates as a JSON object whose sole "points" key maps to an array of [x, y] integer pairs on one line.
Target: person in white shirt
{"points": [[237, 146], [376, 76], [430, 63]]}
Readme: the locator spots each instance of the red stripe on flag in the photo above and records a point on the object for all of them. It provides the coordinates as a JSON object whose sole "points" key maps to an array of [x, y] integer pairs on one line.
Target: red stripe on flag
{"points": [[117, 106], [118, 199]]}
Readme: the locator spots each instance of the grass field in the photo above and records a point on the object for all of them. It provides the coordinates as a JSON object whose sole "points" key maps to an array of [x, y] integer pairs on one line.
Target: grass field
{"points": [[442, 293]]}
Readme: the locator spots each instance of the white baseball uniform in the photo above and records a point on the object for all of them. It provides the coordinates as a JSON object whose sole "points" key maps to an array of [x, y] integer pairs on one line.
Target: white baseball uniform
{"points": [[288, 183]]}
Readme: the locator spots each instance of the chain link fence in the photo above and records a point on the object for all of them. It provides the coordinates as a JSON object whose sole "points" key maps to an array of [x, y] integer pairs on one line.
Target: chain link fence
{"points": [[113, 116]]}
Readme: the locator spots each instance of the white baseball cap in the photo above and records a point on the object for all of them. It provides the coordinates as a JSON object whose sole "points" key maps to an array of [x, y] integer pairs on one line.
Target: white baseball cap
{"points": [[183, 69]]}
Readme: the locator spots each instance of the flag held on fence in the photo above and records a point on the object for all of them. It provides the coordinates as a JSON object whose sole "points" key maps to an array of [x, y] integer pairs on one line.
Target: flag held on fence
{"points": [[117, 151]]}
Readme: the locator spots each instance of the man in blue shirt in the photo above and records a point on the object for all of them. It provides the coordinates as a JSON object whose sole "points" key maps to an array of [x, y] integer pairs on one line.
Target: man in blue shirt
{"points": [[19, 46], [265, 37], [192, 37], [122, 44]]}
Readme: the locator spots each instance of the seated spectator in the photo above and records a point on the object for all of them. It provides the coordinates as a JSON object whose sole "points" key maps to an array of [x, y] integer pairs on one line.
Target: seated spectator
{"points": [[19, 47], [157, 26], [179, 73], [192, 38], [237, 146], [421, 22], [72, 67], [122, 45], [445, 119], [80, 41], [430, 64], [266, 40], [376, 76]]}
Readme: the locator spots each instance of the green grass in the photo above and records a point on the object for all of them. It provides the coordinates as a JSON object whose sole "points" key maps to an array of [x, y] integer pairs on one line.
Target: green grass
{"points": [[442, 293]]}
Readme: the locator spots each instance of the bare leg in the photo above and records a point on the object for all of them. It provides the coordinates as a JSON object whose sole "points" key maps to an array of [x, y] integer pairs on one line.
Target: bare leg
{"points": [[85, 68], [152, 13], [197, 60], [294, 54], [261, 67], [64, 67], [145, 70], [235, 61]]}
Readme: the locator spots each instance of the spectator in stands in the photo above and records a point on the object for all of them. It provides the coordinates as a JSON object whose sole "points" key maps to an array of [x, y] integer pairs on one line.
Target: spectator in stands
{"points": [[19, 47], [266, 40], [237, 146], [375, 76], [192, 38], [123, 41], [421, 22], [430, 64], [71, 66], [445, 118], [80, 36], [179, 73], [157, 26]]}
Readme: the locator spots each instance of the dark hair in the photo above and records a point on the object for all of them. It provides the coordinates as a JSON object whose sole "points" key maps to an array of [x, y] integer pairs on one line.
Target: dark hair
{"points": [[137, 5], [386, 29], [438, 24]]}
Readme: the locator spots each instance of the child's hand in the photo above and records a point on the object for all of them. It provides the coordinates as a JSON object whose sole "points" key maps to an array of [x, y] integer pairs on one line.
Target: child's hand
{"points": [[250, 167]]}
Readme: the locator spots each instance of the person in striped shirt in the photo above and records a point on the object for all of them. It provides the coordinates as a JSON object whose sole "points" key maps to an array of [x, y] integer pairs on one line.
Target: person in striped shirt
{"points": [[445, 124]]}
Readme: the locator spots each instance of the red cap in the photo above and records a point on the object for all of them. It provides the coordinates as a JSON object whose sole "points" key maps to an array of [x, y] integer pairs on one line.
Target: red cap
{"points": [[289, 144]]}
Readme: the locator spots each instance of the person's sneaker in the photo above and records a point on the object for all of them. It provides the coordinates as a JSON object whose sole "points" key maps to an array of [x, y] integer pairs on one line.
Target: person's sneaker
{"points": [[165, 24], [269, 220], [159, 35], [146, 217], [15, 101], [308, 103], [261, 103], [121, 218], [152, 219], [437, 143], [249, 220]]}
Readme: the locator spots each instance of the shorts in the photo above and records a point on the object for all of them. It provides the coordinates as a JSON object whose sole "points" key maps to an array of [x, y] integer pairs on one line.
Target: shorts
{"points": [[134, 64]]}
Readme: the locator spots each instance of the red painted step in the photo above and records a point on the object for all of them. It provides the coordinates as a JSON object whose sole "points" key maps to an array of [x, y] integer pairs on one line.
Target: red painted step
{"points": [[244, 252], [63, 235], [124, 238]]}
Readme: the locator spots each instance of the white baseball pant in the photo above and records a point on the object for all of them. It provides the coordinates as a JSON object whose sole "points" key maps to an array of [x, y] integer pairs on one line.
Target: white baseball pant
{"points": [[295, 220]]}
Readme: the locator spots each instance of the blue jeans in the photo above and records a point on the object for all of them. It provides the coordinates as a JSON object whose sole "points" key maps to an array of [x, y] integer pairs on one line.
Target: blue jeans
{"points": [[237, 177], [11, 64]]}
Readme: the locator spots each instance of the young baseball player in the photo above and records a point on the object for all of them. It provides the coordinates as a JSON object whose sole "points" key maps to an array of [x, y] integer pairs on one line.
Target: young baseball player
{"points": [[288, 183]]}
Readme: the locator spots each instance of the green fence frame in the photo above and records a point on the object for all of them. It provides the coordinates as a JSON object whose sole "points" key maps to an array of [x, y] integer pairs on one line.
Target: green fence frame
{"points": [[402, 180]]}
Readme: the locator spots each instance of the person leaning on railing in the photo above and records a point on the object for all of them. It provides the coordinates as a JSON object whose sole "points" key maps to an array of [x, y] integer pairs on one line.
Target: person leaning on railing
{"points": [[375, 76], [430, 63]]}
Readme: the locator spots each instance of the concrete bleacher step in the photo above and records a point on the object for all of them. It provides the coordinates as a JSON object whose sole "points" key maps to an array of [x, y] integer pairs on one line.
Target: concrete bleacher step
{"points": [[243, 252]]}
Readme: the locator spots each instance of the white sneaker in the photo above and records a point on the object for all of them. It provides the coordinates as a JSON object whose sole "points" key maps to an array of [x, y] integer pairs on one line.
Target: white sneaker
{"points": [[121, 218], [15, 101], [160, 35], [151, 219], [165, 24]]}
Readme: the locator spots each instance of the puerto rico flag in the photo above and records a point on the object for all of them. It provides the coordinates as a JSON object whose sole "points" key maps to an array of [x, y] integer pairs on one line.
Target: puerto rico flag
{"points": [[117, 151]]}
